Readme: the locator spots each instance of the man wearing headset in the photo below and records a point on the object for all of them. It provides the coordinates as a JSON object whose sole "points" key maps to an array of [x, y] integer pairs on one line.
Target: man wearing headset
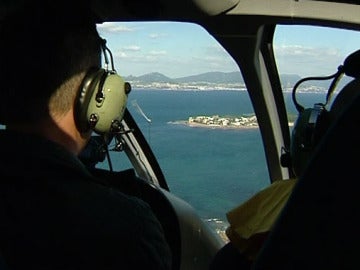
{"points": [[53, 213]]}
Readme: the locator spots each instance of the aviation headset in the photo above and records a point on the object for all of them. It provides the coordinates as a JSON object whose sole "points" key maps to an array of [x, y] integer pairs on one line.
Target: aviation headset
{"points": [[102, 98], [312, 123]]}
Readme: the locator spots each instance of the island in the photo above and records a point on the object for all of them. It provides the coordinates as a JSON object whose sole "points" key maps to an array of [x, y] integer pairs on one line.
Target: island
{"points": [[226, 122], [216, 121]]}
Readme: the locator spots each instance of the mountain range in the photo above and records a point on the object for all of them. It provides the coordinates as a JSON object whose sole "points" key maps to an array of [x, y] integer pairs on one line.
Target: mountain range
{"points": [[217, 80]]}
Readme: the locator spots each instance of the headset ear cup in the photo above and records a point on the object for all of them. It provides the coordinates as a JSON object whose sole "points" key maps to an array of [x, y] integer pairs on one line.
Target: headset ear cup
{"points": [[299, 143], [322, 125], [85, 94], [308, 129], [101, 101], [108, 110]]}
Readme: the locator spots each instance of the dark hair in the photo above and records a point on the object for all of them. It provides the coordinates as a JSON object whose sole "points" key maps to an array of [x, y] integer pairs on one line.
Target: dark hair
{"points": [[41, 48]]}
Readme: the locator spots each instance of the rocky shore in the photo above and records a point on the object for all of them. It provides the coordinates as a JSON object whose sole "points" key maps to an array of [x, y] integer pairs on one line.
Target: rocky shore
{"points": [[217, 121]]}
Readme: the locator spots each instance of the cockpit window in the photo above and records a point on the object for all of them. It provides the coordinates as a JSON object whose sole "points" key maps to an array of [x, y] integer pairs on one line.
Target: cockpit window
{"points": [[311, 63], [192, 106], [311, 51]]}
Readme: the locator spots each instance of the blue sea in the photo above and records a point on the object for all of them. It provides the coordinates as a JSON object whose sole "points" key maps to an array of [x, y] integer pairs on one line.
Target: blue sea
{"points": [[212, 169]]}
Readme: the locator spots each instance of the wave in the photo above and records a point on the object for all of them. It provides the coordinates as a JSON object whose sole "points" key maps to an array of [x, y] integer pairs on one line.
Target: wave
{"points": [[219, 227]]}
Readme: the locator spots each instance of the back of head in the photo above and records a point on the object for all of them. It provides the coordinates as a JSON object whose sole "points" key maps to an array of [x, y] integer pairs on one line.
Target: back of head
{"points": [[312, 230], [344, 98], [42, 47], [313, 123], [306, 137]]}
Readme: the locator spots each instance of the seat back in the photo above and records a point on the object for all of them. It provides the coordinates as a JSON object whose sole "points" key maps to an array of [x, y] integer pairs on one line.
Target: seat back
{"points": [[318, 227], [313, 122], [2, 263]]}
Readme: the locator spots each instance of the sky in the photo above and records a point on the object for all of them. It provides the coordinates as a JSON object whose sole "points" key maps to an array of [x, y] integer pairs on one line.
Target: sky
{"points": [[184, 49]]}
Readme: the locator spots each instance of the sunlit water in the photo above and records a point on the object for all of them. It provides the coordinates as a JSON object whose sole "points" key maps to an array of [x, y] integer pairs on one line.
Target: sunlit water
{"points": [[212, 169]]}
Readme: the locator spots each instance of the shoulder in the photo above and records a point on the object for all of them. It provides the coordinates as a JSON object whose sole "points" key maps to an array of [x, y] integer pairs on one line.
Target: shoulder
{"points": [[98, 203], [105, 225], [130, 227]]}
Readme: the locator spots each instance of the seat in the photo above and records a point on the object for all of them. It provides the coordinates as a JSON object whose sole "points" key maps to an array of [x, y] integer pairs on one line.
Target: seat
{"points": [[2, 263], [318, 227], [127, 182]]}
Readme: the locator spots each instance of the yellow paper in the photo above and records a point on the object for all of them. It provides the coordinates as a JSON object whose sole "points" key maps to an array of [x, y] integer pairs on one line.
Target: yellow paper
{"points": [[252, 220]]}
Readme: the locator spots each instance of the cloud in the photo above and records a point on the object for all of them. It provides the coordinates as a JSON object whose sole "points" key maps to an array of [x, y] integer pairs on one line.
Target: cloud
{"points": [[112, 27], [303, 51], [307, 61], [120, 54], [127, 51], [158, 52], [133, 48], [215, 48], [214, 58], [157, 35]]}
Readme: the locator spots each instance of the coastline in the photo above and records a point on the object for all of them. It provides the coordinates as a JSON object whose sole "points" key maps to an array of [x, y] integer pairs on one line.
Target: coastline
{"points": [[216, 126], [211, 126]]}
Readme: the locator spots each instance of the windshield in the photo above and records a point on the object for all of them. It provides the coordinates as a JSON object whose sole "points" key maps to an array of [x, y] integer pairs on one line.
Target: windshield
{"points": [[311, 51], [192, 106], [191, 103]]}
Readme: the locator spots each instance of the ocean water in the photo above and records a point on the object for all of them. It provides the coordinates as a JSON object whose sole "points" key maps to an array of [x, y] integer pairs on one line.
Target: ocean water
{"points": [[212, 169]]}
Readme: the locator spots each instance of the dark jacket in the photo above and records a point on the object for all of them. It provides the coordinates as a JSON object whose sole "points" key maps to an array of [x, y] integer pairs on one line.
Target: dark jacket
{"points": [[54, 215]]}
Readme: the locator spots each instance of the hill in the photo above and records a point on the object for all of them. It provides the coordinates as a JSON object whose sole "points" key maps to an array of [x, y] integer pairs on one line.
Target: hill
{"points": [[218, 80]]}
